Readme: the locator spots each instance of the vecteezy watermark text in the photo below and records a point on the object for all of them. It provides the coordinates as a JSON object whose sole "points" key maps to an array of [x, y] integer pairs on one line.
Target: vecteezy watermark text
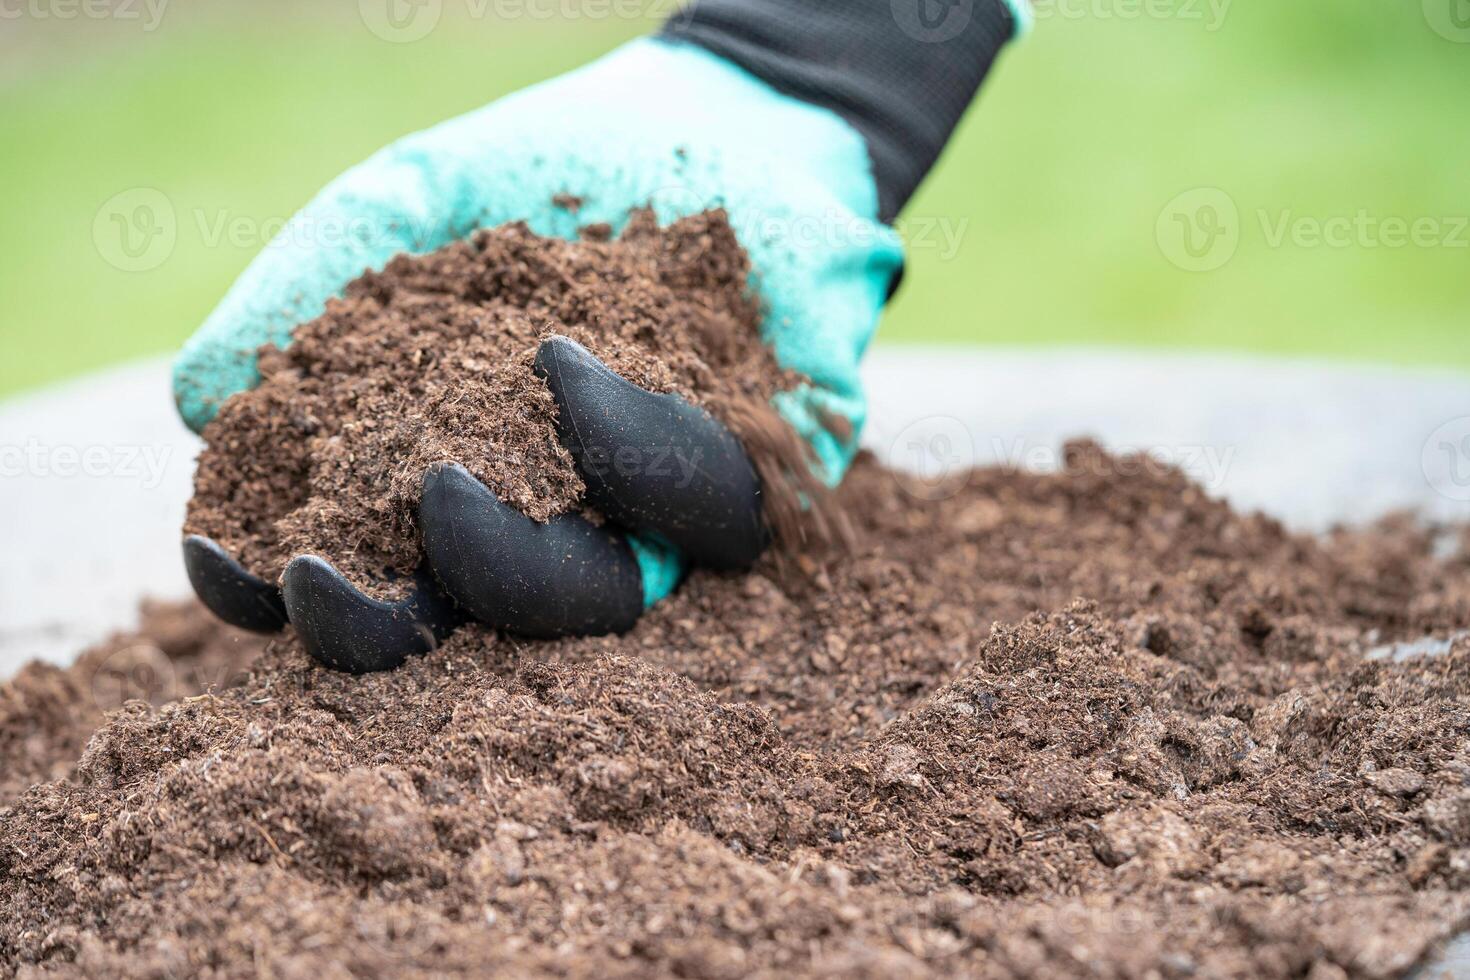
{"points": [[143, 464], [1201, 229], [148, 13], [137, 230], [405, 21], [626, 460], [1206, 465], [940, 454], [1363, 229], [1209, 14]]}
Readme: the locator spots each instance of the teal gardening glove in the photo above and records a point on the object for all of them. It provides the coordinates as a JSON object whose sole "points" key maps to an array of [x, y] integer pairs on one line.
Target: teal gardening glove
{"points": [[665, 122]]}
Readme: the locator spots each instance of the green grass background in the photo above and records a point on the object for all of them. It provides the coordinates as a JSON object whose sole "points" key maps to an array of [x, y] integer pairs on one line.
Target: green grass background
{"points": [[1082, 135]]}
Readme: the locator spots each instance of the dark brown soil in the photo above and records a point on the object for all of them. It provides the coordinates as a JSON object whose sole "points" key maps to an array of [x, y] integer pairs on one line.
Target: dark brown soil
{"points": [[47, 713], [1079, 724], [430, 360]]}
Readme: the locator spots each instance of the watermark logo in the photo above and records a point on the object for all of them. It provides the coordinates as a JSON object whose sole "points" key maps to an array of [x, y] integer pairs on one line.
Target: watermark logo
{"points": [[141, 672], [398, 933], [136, 230], [932, 21], [1446, 459], [400, 21], [1199, 230], [674, 201], [1450, 19], [939, 454]]}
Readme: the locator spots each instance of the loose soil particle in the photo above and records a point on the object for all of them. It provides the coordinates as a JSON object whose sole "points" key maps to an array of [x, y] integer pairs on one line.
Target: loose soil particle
{"points": [[1084, 723], [430, 360]]}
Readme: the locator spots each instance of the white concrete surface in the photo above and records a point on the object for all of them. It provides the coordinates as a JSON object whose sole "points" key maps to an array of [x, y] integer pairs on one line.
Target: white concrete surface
{"points": [[94, 474], [1309, 443]]}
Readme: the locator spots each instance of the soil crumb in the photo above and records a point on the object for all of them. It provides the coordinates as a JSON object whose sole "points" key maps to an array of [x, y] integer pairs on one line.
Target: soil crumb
{"points": [[430, 360], [1087, 723]]}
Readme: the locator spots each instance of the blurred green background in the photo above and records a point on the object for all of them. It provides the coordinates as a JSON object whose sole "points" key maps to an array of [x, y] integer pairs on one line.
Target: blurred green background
{"points": [[1055, 218]]}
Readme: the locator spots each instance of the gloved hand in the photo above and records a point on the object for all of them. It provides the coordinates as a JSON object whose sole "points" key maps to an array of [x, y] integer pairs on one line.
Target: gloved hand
{"points": [[662, 122]]}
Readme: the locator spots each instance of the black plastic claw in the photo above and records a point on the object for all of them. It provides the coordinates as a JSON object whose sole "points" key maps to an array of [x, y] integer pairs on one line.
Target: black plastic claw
{"points": [[229, 591], [347, 630], [564, 578], [655, 462]]}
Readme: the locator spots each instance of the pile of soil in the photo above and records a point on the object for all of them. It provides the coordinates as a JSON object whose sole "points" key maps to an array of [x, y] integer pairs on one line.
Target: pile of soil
{"points": [[1083, 723], [47, 713], [430, 360]]}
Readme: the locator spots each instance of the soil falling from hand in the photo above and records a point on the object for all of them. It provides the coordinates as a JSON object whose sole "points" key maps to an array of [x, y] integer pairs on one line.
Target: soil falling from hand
{"points": [[1089, 723]]}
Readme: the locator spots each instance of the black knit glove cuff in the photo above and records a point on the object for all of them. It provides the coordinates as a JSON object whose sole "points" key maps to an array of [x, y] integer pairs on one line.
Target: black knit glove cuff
{"points": [[901, 72]]}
